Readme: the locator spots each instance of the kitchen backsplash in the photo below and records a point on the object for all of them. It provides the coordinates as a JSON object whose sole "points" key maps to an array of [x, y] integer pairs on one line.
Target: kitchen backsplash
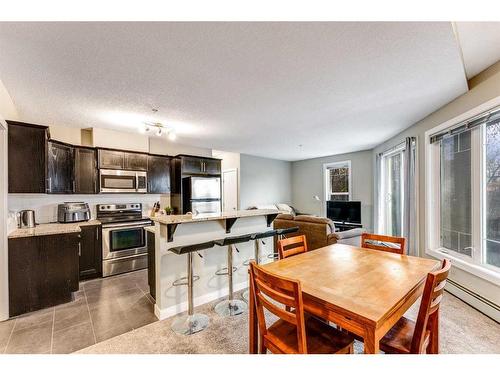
{"points": [[45, 205]]}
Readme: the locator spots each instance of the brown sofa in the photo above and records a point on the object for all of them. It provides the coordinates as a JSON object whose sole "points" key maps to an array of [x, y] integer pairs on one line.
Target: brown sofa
{"points": [[319, 231]]}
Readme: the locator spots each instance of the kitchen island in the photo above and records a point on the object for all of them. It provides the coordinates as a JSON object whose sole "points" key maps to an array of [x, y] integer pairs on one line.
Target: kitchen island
{"points": [[176, 230]]}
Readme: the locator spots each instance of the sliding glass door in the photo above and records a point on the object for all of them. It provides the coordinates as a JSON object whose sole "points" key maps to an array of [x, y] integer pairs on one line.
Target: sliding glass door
{"points": [[392, 192]]}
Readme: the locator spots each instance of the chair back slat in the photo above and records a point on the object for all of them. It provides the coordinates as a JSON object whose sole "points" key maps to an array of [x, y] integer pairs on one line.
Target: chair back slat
{"points": [[276, 294], [374, 241], [291, 246], [431, 299], [266, 286]]}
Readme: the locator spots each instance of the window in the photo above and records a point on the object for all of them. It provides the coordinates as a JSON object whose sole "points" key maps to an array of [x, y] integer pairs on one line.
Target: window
{"points": [[463, 194], [392, 192], [337, 181]]}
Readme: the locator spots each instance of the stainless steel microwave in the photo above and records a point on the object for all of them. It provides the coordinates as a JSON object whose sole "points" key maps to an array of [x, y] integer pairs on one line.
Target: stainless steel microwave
{"points": [[120, 181]]}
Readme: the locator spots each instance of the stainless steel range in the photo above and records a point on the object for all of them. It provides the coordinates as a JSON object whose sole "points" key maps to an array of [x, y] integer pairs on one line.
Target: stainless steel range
{"points": [[124, 246]]}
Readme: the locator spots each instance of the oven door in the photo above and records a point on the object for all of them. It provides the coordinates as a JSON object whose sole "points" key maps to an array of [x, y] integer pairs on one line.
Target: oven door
{"points": [[123, 240], [118, 181]]}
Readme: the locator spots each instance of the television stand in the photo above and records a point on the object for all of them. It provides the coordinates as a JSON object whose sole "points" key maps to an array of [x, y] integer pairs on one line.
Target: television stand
{"points": [[342, 226]]}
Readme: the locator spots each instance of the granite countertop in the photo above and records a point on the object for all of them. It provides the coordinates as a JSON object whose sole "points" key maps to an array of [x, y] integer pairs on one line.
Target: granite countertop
{"points": [[51, 228], [178, 219]]}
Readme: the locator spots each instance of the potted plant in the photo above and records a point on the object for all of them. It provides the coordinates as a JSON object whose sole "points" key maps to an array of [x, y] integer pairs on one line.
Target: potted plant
{"points": [[169, 210]]}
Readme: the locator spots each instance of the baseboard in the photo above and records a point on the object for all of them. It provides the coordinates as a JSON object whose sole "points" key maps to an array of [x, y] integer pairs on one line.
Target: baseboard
{"points": [[162, 314], [473, 299]]}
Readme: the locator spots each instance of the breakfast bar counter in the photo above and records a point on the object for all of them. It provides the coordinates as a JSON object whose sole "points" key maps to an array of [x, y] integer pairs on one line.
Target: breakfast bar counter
{"points": [[182, 230]]}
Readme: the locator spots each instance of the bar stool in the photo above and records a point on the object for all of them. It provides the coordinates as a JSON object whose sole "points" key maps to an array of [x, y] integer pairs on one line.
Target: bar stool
{"points": [[282, 233], [231, 306], [190, 323], [257, 237]]}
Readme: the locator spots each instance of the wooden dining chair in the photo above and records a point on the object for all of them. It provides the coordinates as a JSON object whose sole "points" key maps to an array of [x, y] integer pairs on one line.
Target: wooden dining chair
{"points": [[294, 332], [422, 336], [288, 247], [367, 241]]}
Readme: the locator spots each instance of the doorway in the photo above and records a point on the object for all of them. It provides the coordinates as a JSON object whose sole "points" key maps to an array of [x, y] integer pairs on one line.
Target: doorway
{"points": [[230, 190]]}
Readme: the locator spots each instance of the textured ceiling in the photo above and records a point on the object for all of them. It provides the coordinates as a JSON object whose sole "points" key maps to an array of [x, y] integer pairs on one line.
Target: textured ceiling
{"points": [[480, 42], [256, 88]]}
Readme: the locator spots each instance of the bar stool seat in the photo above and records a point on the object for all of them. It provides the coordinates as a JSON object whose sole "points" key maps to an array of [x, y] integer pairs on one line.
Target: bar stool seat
{"points": [[190, 323], [231, 306], [281, 233]]}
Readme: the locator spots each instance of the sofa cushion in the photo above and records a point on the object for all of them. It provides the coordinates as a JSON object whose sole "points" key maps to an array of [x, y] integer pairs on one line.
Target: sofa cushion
{"points": [[316, 219], [285, 217]]}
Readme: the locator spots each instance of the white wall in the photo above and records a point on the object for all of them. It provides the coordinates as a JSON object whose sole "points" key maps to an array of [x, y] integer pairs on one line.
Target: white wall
{"points": [[120, 140], [264, 181], [163, 146], [230, 160], [7, 111], [307, 181], [484, 90]]}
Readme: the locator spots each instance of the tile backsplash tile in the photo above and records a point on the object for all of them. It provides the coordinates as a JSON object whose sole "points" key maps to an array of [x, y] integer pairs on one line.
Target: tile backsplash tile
{"points": [[45, 205]]}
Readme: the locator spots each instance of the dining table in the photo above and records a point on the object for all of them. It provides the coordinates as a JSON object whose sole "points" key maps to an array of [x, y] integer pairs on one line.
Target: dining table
{"points": [[361, 290]]}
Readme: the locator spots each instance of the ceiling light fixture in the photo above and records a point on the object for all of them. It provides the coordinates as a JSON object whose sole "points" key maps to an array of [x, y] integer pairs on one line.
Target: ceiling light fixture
{"points": [[158, 129]]}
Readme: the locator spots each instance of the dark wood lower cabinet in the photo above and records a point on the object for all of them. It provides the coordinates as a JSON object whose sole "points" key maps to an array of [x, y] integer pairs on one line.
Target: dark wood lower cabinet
{"points": [[43, 271], [91, 252], [151, 263]]}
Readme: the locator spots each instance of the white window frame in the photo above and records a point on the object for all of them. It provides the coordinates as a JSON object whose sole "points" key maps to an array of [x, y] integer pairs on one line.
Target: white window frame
{"points": [[326, 180], [432, 199], [381, 197]]}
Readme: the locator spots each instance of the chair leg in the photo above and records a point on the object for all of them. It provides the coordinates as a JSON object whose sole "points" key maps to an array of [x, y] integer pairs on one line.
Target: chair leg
{"points": [[262, 347], [433, 346]]}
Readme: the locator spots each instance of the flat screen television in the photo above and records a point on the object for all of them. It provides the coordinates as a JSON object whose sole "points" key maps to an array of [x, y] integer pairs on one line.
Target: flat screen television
{"points": [[349, 212]]}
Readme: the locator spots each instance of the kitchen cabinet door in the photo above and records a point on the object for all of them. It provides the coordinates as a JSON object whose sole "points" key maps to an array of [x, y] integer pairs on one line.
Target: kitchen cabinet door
{"points": [[192, 165], [27, 152], [85, 171], [212, 166], [109, 159], [136, 162], [91, 252], [43, 271], [60, 168], [158, 174]]}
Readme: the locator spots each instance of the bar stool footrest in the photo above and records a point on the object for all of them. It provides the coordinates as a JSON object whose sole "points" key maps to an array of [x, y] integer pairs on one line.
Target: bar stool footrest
{"points": [[184, 280], [224, 271]]}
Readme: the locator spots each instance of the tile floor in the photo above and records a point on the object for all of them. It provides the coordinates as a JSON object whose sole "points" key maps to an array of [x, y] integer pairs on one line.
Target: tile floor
{"points": [[102, 308]]}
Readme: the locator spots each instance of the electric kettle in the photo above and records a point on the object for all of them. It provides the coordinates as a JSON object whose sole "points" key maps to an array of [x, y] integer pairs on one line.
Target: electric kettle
{"points": [[26, 219]]}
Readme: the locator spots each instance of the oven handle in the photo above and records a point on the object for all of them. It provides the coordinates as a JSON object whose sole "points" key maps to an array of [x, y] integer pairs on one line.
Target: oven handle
{"points": [[127, 225]]}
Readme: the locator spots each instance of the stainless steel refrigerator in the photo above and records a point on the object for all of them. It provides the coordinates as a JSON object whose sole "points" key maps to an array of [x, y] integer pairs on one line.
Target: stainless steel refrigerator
{"points": [[201, 195]]}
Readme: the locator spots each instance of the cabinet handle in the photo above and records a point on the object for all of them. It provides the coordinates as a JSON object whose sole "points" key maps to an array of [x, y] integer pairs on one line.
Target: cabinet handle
{"points": [[79, 249], [74, 186], [97, 233], [49, 189]]}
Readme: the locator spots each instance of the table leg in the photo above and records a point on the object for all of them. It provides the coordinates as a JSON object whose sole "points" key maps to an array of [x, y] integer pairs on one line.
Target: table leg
{"points": [[371, 341], [252, 323]]}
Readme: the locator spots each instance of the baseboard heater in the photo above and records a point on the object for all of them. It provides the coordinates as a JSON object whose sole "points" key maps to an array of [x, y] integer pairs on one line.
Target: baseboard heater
{"points": [[473, 299]]}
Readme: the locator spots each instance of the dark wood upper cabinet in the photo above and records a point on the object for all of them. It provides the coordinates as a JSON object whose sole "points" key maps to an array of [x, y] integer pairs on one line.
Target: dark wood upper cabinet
{"points": [[91, 252], [158, 174], [200, 166], [112, 159], [43, 271], [60, 168], [212, 166], [27, 152], [109, 159], [85, 171], [136, 162]]}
